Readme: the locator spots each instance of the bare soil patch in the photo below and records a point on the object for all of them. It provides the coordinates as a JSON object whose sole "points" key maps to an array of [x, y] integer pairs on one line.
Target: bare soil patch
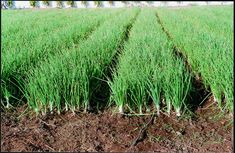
{"points": [[109, 132]]}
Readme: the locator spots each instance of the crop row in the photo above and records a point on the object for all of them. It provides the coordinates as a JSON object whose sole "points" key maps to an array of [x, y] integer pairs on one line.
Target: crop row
{"points": [[28, 32], [147, 70], [69, 55], [209, 53], [20, 60], [68, 80], [217, 21]]}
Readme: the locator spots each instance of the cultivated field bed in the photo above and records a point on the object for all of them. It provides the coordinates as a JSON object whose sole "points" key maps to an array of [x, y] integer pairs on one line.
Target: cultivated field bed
{"points": [[129, 79]]}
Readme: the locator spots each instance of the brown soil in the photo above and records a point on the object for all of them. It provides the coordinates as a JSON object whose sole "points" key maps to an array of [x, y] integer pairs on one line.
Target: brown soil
{"points": [[109, 132]]}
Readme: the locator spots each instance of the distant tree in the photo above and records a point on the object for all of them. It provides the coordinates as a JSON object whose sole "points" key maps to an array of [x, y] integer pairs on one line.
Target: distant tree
{"points": [[125, 2], [136, 3], [33, 3], [111, 3], [178, 2], [85, 3], [224, 2], [46, 3], [71, 3], [98, 3], [150, 2], [59, 4], [8, 4], [3, 5], [207, 2]]}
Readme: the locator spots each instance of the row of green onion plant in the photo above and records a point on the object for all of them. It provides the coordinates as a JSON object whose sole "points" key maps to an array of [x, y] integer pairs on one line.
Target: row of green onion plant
{"points": [[67, 80], [209, 53], [17, 64], [148, 71]]}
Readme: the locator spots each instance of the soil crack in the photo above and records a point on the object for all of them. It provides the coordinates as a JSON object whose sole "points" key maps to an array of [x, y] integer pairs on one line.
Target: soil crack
{"points": [[142, 134]]}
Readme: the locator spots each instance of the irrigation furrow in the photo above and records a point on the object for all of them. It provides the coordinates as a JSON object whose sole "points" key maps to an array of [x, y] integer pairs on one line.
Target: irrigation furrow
{"points": [[122, 43]]}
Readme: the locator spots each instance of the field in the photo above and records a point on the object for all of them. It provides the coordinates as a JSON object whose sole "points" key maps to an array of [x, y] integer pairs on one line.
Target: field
{"points": [[133, 79]]}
